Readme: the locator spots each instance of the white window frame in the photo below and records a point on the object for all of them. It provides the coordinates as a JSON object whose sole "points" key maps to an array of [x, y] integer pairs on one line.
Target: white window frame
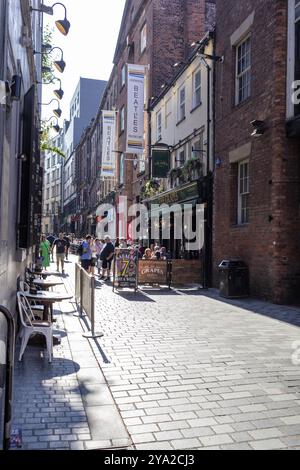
{"points": [[159, 125], [243, 193], [143, 38], [197, 88], [123, 76], [245, 72], [122, 119], [168, 112], [181, 104], [180, 162]]}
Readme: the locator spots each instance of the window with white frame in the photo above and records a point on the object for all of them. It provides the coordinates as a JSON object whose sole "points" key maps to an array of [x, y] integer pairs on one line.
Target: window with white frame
{"points": [[122, 119], [180, 157], [197, 88], [168, 112], [181, 103], [243, 70], [243, 192], [159, 125], [123, 75], [143, 38], [197, 147]]}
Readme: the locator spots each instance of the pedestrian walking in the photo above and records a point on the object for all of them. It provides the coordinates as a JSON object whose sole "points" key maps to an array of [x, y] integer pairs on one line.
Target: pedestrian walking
{"points": [[60, 245], [45, 249], [68, 244], [86, 257]]}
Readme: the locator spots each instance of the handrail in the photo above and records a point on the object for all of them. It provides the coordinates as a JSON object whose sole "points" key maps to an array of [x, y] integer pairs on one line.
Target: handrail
{"points": [[10, 353]]}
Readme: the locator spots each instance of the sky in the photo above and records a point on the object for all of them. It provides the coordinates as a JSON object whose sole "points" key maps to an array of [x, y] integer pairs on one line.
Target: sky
{"points": [[88, 48]]}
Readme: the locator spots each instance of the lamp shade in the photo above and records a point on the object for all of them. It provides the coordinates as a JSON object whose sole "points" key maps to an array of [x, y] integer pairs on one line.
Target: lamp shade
{"points": [[59, 94], [60, 65], [63, 26], [57, 112], [56, 128]]}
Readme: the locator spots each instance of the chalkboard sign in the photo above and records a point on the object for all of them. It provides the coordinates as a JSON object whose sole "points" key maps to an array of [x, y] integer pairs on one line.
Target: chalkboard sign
{"points": [[125, 269], [153, 272]]}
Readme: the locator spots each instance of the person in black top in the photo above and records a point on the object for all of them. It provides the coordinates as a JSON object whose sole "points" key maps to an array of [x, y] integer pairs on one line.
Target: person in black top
{"points": [[106, 257], [68, 244], [61, 245]]}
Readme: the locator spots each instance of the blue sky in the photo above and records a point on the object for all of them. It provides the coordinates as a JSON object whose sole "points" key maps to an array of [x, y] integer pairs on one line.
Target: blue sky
{"points": [[89, 47]]}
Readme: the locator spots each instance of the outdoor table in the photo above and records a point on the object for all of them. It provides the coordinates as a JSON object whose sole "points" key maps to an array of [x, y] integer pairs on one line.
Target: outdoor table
{"points": [[45, 284], [48, 299], [44, 274]]}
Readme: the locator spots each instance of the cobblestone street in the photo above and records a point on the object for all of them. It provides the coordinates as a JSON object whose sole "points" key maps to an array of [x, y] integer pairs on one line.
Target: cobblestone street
{"points": [[185, 370]]}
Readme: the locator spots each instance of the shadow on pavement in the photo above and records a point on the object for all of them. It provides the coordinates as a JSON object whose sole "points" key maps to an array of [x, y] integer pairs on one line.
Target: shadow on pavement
{"points": [[86, 321], [134, 296], [283, 313]]}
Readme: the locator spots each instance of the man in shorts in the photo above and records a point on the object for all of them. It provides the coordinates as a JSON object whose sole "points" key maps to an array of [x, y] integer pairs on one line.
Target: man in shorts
{"points": [[61, 246]]}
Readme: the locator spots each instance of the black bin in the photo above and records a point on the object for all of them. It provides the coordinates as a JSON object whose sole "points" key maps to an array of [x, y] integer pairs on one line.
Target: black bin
{"points": [[234, 279]]}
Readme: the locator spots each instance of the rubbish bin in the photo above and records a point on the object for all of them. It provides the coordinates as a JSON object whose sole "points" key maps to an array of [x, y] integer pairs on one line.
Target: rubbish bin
{"points": [[234, 279]]}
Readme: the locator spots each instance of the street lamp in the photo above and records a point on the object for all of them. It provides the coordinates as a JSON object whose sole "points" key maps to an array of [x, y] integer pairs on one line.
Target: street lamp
{"points": [[60, 65], [64, 25], [56, 127], [57, 112], [59, 93]]}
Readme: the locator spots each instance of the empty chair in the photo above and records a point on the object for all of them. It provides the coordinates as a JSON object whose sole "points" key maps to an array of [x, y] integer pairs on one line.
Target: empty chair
{"points": [[38, 310], [30, 326]]}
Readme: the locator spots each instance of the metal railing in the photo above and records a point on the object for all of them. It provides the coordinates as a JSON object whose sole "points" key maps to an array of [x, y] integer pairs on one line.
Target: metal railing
{"points": [[85, 298], [7, 352]]}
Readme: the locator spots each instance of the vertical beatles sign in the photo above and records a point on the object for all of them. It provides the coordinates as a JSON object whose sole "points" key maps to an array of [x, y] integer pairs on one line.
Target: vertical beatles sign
{"points": [[109, 133], [135, 109]]}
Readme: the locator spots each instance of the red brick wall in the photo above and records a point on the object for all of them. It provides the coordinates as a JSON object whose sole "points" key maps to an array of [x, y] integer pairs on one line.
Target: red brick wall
{"points": [[270, 242]]}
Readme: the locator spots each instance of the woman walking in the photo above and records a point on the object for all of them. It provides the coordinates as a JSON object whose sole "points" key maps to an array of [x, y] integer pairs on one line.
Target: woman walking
{"points": [[45, 249]]}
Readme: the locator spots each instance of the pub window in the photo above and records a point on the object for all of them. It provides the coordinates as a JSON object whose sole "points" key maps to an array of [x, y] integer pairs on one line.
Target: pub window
{"points": [[243, 70], [168, 112], [243, 193], [180, 158]]}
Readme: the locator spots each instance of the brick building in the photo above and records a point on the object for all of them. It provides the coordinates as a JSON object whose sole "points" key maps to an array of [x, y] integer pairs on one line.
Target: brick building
{"points": [[256, 190], [156, 34]]}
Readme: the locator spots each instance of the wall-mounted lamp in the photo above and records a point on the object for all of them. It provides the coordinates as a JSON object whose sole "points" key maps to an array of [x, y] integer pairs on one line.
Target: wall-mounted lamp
{"points": [[59, 93], [56, 127], [259, 128], [60, 65], [62, 25], [57, 112], [15, 87]]}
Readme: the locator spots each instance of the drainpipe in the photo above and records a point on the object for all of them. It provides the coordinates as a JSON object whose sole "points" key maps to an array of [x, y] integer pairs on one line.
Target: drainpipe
{"points": [[3, 30]]}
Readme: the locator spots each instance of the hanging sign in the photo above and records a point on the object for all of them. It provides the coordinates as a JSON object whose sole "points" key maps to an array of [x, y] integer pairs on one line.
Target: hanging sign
{"points": [[161, 162], [108, 155], [135, 109]]}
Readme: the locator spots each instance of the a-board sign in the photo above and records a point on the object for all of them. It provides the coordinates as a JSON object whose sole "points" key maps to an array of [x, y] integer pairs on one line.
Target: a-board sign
{"points": [[153, 272], [125, 269]]}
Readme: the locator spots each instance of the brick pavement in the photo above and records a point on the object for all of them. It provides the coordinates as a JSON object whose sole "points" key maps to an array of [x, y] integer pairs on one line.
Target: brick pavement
{"points": [[66, 404], [192, 371]]}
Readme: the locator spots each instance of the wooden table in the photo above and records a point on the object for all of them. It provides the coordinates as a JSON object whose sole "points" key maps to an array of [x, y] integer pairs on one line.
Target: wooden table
{"points": [[45, 285], [44, 274], [48, 299]]}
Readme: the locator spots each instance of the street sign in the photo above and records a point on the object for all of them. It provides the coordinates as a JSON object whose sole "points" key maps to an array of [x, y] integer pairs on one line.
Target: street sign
{"points": [[125, 269]]}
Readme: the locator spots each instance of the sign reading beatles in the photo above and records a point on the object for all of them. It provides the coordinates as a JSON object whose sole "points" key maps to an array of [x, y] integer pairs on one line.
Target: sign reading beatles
{"points": [[125, 270], [135, 109], [109, 129]]}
